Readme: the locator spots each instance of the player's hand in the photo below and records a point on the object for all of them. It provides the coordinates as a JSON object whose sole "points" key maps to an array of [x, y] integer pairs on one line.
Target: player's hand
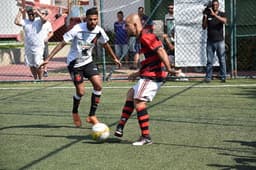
{"points": [[165, 36], [173, 71], [117, 62], [133, 76], [44, 63]]}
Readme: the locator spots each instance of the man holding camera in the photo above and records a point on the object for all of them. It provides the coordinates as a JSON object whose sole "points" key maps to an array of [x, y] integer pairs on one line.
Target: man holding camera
{"points": [[34, 38], [214, 20]]}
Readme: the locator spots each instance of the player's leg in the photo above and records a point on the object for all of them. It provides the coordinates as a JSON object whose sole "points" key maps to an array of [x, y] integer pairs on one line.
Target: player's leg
{"points": [[143, 120], [126, 113], [76, 102], [145, 91], [77, 78], [95, 98], [91, 72]]}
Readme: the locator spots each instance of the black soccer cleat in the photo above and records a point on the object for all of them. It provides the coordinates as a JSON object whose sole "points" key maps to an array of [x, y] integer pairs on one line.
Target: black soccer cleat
{"points": [[119, 131]]}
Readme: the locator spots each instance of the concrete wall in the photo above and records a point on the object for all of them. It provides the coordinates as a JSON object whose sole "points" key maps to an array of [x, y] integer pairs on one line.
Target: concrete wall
{"points": [[16, 55]]}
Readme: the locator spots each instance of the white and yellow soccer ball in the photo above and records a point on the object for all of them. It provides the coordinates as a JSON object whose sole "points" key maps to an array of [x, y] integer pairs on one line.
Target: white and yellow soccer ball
{"points": [[100, 132]]}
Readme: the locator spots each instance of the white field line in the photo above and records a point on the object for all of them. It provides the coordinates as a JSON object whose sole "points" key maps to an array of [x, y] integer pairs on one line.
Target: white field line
{"points": [[127, 87]]}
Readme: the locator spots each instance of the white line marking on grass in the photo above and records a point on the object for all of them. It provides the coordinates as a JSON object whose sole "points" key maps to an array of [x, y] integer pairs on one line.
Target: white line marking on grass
{"points": [[211, 86], [127, 87]]}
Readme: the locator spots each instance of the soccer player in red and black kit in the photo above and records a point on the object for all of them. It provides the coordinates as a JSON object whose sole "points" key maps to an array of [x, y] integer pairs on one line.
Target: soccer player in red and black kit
{"points": [[152, 73]]}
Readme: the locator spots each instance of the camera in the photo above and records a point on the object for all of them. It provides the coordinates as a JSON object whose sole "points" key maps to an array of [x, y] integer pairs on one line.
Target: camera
{"points": [[207, 10]]}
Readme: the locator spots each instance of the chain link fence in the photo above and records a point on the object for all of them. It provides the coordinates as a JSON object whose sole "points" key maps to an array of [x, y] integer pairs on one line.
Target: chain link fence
{"points": [[189, 38]]}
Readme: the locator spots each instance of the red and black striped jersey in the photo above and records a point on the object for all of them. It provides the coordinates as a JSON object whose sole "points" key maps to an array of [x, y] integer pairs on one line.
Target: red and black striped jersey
{"points": [[152, 67]]}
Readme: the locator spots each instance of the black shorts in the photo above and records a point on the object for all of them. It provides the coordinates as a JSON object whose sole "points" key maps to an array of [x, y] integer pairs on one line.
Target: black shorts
{"points": [[77, 74]]}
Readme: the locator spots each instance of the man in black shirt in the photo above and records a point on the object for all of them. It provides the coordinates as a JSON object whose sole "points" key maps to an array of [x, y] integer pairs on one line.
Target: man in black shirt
{"points": [[214, 20]]}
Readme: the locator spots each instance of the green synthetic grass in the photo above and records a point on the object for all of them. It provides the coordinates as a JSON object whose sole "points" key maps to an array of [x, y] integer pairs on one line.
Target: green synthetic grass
{"points": [[193, 126]]}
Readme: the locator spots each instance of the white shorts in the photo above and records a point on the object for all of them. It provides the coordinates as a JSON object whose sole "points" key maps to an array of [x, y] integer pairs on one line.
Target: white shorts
{"points": [[34, 58], [146, 89]]}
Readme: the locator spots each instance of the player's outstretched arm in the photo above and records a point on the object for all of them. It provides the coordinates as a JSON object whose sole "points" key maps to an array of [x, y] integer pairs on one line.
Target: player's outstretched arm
{"points": [[112, 54], [54, 51], [164, 57]]}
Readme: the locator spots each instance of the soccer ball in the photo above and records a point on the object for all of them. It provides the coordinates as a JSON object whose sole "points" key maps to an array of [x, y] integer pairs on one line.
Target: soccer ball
{"points": [[100, 132]]}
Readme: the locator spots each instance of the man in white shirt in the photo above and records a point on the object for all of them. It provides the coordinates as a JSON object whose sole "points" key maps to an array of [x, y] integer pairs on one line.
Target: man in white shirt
{"points": [[34, 41], [80, 61]]}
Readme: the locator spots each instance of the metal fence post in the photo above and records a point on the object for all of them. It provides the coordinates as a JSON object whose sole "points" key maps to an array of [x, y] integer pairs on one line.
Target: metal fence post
{"points": [[235, 40], [232, 37], [103, 50]]}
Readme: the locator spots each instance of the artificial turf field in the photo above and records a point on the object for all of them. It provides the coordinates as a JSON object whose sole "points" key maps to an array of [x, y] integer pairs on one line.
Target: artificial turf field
{"points": [[193, 126]]}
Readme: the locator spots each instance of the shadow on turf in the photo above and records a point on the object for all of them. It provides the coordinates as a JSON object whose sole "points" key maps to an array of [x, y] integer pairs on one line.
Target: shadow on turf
{"points": [[75, 139], [29, 165], [110, 141], [242, 162], [249, 92], [165, 99], [22, 94], [40, 113], [40, 126]]}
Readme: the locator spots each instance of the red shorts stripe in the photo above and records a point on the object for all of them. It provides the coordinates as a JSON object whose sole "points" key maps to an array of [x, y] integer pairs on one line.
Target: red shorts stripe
{"points": [[142, 88]]}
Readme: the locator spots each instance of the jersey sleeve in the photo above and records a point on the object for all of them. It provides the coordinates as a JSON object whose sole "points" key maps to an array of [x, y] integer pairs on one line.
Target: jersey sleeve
{"points": [[151, 41], [68, 36], [104, 37]]}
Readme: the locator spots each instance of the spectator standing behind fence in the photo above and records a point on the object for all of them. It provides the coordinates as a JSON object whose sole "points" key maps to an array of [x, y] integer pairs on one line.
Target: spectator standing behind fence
{"points": [[169, 40], [151, 76], [47, 28], [84, 36], [34, 39], [169, 22], [214, 20], [146, 22], [121, 39]]}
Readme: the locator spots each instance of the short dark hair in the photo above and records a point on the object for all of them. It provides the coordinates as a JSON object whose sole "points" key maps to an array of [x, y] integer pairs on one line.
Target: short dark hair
{"points": [[120, 12], [141, 8], [215, 1], [92, 11]]}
